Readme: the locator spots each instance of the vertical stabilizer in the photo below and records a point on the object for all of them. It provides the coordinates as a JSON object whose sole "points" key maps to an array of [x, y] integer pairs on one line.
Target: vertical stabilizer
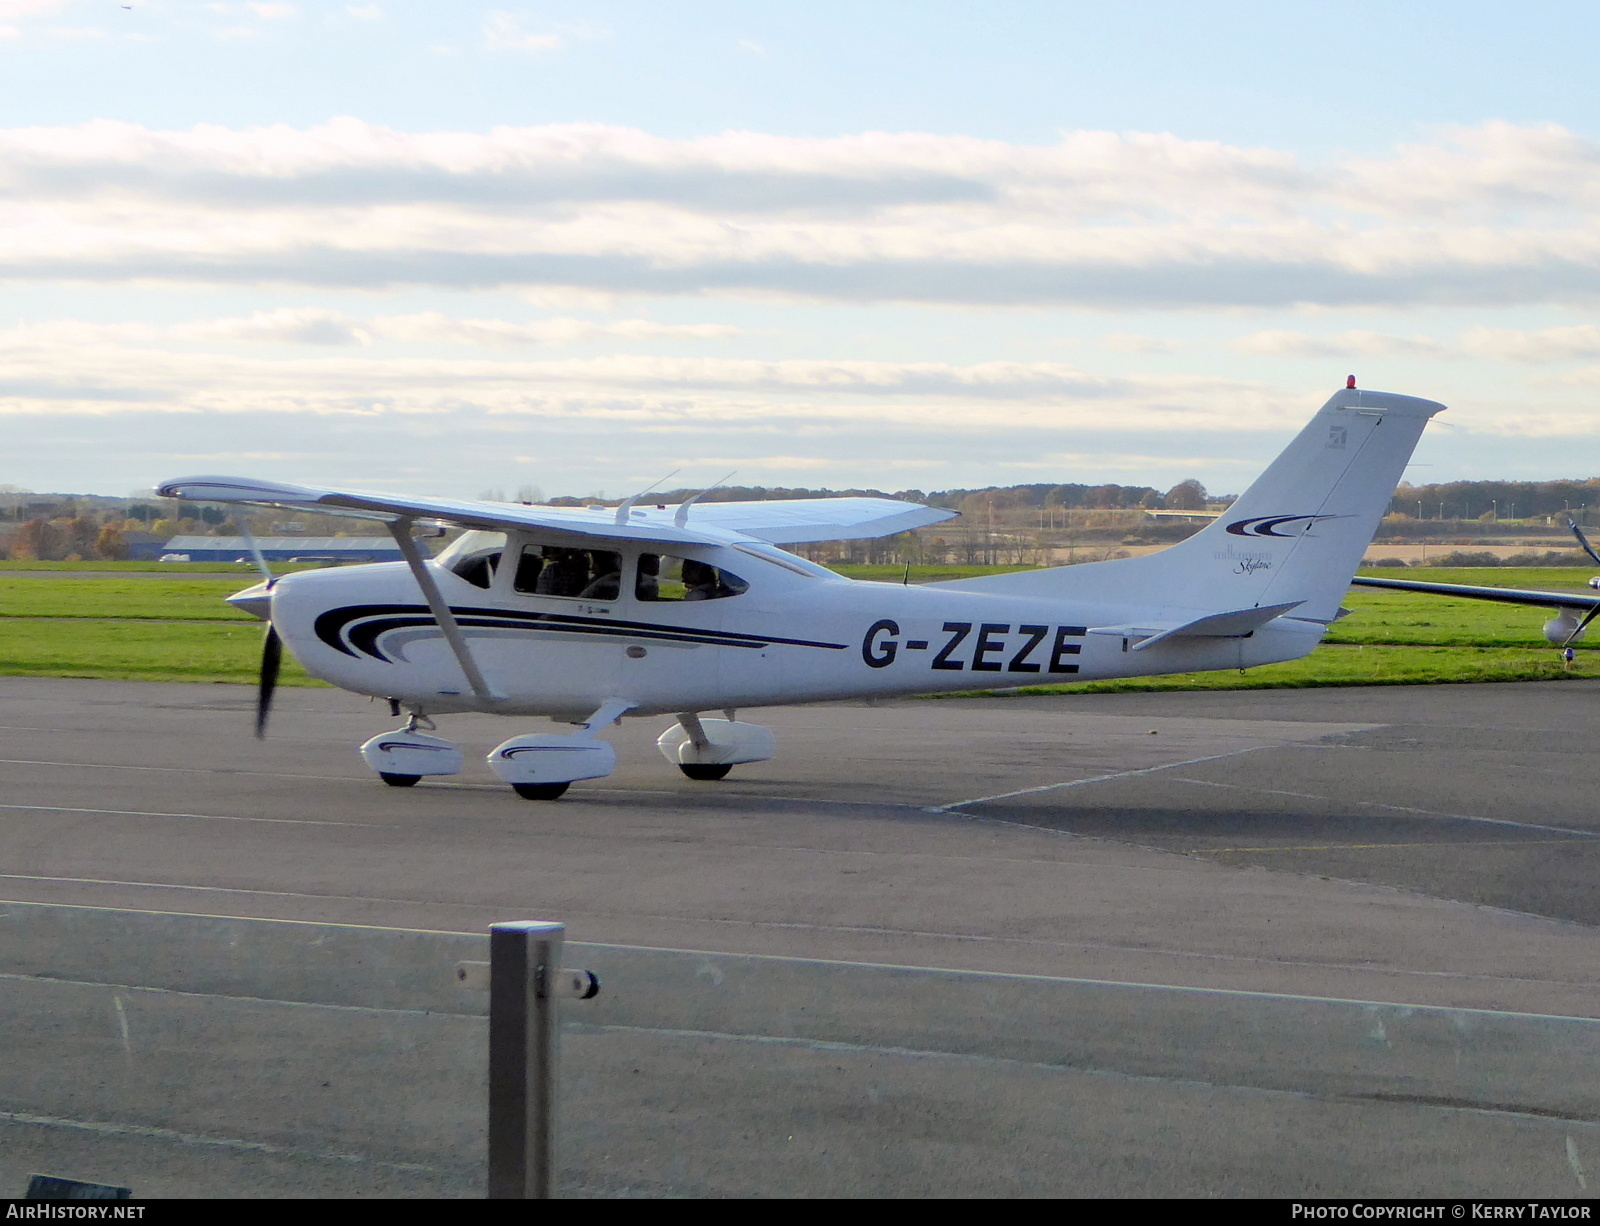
{"points": [[1296, 536], [1301, 530]]}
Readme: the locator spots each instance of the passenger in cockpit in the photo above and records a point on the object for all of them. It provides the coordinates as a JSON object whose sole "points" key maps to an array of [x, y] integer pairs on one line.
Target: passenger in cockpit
{"points": [[648, 584], [565, 573], [607, 581]]}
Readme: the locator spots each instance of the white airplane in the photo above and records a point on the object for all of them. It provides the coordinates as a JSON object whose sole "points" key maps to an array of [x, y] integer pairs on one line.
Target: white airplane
{"points": [[1573, 610], [588, 614]]}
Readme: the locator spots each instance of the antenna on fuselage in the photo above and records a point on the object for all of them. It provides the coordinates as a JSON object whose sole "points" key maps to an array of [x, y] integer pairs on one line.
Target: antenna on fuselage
{"points": [[681, 515], [627, 503]]}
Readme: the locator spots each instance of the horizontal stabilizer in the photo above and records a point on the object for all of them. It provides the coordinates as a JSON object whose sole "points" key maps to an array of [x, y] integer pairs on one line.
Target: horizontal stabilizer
{"points": [[1231, 625], [1503, 595]]}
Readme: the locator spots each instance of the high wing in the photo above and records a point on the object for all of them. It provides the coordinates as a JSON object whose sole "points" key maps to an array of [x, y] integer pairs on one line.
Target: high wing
{"points": [[798, 520], [1505, 595], [778, 523]]}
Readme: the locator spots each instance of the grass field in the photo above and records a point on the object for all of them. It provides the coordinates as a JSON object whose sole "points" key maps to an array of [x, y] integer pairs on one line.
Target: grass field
{"points": [[179, 599], [95, 623], [135, 650], [159, 568]]}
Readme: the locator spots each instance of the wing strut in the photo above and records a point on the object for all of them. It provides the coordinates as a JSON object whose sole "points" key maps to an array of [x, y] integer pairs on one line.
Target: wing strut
{"points": [[400, 529]]}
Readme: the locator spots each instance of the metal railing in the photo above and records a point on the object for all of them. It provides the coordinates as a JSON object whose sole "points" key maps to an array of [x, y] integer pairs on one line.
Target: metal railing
{"points": [[197, 1055]]}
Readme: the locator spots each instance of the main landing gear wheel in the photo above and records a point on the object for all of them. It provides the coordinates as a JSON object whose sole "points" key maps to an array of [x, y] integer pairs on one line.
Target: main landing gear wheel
{"points": [[703, 772], [399, 781], [540, 791]]}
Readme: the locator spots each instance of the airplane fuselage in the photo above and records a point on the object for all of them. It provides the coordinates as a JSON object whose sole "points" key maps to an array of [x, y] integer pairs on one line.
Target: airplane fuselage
{"points": [[795, 633]]}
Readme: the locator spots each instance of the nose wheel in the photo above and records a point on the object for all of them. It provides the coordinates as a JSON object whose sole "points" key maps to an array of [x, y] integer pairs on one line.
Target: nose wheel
{"points": [[407, 755]]}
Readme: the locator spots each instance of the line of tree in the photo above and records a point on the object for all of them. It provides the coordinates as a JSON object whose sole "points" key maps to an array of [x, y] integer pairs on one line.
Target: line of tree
{"points": [[1497, 499], [53, 540]]}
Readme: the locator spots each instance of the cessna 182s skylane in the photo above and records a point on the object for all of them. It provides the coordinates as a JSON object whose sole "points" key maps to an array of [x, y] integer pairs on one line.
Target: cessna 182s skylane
{"points": [[587, 614]]}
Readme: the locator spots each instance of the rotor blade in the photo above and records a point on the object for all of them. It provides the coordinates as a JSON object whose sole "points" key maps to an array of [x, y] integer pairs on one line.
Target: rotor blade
{"points": [[271, 659], [1583, 540], [1582, 626]]}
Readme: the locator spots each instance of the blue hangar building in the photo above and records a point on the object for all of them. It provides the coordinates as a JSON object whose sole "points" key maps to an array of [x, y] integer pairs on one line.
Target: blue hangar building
{"points": [[282, 549]]}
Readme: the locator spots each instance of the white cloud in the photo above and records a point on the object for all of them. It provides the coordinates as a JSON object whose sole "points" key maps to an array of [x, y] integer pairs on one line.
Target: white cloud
{"points": [[1138, 342], [364, 12], [1134, 462], [1356, 343], [50, 369], [122, 400], [1534, 346], [21, 10], [1095, 220], [750, 47], [502, 31], [26, 10], [318, 326], [272, 12]]}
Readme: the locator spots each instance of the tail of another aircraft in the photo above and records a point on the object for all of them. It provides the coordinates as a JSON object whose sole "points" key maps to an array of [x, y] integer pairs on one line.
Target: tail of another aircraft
{"points": [[1292, 541]]}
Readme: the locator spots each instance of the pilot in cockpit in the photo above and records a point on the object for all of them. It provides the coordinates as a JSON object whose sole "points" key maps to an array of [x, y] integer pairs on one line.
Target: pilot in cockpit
{"points": [[700, 581], [565, 573]]}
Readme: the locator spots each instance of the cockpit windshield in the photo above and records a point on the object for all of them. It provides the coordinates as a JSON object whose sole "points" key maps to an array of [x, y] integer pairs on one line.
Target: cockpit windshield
{"points": [[469, 542], [474, 556]]}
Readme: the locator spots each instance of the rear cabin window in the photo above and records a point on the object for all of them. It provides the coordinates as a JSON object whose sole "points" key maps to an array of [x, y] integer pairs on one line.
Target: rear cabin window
{"points": [[663, 577], [553, 570]]}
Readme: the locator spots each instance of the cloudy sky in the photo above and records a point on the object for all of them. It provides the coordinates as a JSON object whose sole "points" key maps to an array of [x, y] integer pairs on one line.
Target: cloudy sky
{"points": [[458, 247]]}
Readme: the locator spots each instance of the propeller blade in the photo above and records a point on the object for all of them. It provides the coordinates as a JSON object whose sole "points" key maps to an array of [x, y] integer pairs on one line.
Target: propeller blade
{"points": [[271, 659], [1583, 625], [255, 552], [1583, 540]]}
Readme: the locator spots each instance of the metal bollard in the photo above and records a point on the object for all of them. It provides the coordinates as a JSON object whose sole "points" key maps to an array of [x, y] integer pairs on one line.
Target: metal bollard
{"points": [[525, 983]]}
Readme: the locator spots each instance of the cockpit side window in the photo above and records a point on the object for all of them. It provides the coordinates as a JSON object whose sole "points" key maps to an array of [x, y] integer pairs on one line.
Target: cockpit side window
{"points": [[663, 577], [554, 570], [473, 556], [478, 568]]}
